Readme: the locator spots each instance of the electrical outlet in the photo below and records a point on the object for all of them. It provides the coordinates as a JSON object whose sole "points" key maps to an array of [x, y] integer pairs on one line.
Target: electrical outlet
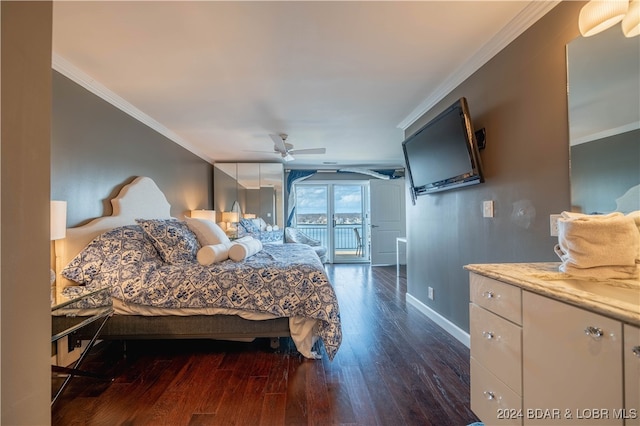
{"points": [[487, 208], [431, 293], [553, 224]]}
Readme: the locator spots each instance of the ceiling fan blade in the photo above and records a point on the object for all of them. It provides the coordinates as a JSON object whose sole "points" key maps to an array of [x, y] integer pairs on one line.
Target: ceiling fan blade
{"points": [[309, 151], [278, 142], [286, 157]]}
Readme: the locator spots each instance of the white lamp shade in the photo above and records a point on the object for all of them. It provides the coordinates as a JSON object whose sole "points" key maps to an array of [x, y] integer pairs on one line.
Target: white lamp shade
{"points": [[230, 217], [204, 214], [58, 217], [598, 15], [631, 21]]}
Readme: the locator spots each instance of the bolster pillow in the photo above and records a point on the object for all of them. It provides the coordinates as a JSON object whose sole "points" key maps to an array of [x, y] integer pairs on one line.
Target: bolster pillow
{"points": [[240, 250], [214, 253], [245, 239]]}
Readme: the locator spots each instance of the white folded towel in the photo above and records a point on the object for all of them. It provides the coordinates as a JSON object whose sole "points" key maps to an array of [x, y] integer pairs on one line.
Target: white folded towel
{"points": [[604, 272], [214, 253], [244, 247], [636, 217], [608, 241]]}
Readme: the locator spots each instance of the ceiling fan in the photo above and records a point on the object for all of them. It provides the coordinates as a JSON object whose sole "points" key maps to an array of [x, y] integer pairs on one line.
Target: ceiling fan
{"points": [[286, 149]]}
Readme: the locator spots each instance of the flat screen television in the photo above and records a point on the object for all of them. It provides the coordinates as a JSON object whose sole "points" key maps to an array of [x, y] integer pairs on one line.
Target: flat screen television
{"points": [[444, 153]]}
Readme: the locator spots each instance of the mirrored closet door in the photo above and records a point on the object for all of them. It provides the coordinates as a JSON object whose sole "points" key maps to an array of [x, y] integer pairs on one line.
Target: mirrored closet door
{"points": [[252, 190]]}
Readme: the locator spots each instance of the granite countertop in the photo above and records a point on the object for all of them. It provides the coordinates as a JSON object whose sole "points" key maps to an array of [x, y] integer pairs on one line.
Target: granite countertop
{"points": [[618, 299]]}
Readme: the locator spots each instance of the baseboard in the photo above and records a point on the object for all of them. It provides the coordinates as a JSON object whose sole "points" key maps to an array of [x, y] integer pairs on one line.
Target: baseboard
{"points": [[458, 333]]}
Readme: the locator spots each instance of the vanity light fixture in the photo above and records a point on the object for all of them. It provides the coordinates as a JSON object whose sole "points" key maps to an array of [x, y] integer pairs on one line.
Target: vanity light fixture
{"points": [[599, 15], [631, 21], [204, 214]]}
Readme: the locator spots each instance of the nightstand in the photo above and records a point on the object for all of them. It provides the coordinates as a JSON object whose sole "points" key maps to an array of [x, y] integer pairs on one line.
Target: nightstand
{"points": [[68, 315]]}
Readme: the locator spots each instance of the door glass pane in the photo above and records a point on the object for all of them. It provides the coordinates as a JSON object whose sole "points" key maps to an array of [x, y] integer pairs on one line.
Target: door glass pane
{"points": [[348, 217], [312, 211]]}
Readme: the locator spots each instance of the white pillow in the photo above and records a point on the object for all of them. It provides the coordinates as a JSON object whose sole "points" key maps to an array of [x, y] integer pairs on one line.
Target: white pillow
{"points": [[256, 222], [207, 232], [240, 250], [260, 223], [213, 253]]}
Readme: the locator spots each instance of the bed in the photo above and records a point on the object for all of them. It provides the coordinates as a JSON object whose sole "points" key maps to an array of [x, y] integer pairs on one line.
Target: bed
{"points": [[280, 291]]}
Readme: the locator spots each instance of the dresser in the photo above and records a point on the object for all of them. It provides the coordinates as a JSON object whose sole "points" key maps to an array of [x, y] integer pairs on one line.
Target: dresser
{"points": [[496, 357], [547, 349]]}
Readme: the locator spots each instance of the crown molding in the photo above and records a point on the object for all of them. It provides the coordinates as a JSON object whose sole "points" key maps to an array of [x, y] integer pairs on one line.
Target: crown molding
{"points": [[519, 24], [78, 76]]}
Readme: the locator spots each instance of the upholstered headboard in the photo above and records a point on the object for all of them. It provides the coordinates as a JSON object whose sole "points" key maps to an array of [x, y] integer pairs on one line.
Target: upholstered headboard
{"points": [[141, 199]]}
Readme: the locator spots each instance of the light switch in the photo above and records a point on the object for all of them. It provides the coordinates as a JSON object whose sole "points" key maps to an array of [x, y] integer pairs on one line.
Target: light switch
{"points": [[487, 208]]}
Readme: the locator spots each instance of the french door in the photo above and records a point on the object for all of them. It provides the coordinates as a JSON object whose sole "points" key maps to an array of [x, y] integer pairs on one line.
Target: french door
{"points": [[337, 215]]}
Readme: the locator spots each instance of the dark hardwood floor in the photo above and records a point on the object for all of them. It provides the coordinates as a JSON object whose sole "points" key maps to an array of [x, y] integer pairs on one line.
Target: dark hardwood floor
{"points": [[395, 367]]}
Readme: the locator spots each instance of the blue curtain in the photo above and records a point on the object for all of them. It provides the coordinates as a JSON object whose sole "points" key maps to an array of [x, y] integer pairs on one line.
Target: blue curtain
{"points": [[294, 177]]}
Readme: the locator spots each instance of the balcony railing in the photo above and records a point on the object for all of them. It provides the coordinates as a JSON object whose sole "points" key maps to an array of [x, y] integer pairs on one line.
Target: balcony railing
{"points": [[344, 236]]}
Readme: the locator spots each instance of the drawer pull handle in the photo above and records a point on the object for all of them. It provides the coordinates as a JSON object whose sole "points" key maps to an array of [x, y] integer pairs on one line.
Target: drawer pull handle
{"points": [[489, 395], [636, 351], [594, 332], [488, 335], [488, 294]]}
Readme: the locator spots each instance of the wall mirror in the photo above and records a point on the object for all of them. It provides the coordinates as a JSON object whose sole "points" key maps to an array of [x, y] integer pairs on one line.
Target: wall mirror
{"points": [[255, 188], [271, 207], [604, 122], [225, 189]]}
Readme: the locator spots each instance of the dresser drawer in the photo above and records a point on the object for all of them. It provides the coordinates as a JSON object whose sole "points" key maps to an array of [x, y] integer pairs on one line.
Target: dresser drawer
{"points": [[498, 297], [497, 344], [491, 400], [631, 357]]}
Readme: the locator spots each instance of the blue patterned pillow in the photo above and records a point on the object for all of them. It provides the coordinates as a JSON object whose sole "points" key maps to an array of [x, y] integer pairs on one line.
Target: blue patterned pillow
{"points": [[249, 226], [110, 252], [173, 239]]}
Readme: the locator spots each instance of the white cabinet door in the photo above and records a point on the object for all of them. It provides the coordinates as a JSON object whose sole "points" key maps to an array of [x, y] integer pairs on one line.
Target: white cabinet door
{"points": [[632, 375], [570, 375]]}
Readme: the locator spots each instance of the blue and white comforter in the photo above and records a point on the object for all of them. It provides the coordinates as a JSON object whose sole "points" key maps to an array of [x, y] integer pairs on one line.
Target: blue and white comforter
{"points": [[284, 280]]}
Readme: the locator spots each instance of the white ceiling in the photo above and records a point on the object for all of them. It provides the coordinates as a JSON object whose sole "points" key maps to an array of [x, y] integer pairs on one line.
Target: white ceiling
{"points": [[219, 77]]}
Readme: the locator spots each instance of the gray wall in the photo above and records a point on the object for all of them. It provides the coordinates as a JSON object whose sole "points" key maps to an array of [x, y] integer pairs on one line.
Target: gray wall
{"points": [[520, 98], [25, 318], [604, 170], [96, 149]]}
